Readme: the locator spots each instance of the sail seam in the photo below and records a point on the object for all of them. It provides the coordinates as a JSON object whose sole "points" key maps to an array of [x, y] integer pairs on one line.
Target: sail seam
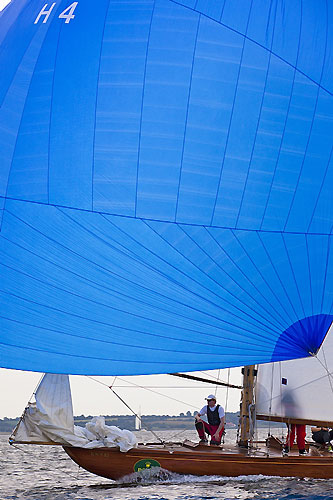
{"points": [[231, 118], [232, 228], [256, 43]]}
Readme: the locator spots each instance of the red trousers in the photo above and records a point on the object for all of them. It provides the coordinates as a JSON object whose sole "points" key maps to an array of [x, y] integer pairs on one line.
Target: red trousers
{"points": [[203, 427], [300, 431]]}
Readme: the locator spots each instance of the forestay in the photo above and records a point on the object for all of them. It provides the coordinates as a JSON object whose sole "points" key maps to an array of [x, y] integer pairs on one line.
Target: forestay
{"points": [[166, 183]]}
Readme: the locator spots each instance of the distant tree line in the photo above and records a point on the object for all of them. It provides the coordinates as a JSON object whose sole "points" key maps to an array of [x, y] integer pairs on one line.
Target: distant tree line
{"points": [[154, 422]]}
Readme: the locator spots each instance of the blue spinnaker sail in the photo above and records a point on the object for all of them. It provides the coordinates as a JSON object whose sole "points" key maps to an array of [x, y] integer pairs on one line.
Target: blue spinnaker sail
{"points": [[165, 183]]}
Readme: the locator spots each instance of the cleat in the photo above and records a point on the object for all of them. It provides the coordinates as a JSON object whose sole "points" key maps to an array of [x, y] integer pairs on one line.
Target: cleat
{"points": [[203, 441], [302, 453]]}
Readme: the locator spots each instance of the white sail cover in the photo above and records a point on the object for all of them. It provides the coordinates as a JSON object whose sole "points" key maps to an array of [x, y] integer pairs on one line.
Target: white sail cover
{"points": [[299, 389], [50, 419]]}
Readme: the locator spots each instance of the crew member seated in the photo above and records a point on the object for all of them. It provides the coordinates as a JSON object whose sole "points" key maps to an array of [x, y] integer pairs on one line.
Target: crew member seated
{"points": [[215, 425], [323, 436]]}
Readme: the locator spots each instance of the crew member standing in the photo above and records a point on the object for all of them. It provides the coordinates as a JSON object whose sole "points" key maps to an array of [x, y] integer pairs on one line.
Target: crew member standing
{"points": [[215, 425], [300, 431]]}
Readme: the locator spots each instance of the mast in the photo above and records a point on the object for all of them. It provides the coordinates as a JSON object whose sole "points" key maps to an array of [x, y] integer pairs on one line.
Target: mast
{"points": [[249, 372]]}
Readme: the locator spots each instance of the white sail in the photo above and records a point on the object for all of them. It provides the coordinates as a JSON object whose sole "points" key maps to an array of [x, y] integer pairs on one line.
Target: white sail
{"points": [[298, 389], [50, 420]]}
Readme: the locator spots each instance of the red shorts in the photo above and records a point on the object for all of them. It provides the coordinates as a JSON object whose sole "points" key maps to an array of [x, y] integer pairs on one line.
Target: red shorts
{"points": [[203, 427]]}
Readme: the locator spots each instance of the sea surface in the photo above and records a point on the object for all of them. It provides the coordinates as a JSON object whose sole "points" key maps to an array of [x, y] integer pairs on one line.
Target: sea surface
{"points": [[31, 472]]}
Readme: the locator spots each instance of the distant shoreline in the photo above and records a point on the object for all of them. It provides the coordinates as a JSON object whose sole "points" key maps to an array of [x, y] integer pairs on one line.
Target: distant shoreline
{"points": [[153, 422]]}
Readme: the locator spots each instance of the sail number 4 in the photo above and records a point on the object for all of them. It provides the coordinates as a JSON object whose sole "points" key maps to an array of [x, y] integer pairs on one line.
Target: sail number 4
{"points": [[65, 14]]}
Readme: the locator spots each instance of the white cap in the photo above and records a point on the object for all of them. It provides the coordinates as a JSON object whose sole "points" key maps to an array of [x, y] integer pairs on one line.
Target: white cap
{"points": [[211, 396]]}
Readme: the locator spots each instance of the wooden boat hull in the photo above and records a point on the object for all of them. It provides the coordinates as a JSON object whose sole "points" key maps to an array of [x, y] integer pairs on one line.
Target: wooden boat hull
{"points": [[112, 464]]}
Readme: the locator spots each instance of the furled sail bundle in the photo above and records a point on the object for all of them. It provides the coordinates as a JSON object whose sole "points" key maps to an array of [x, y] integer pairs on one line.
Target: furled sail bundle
{"points": [[165, 186], [49, 420]]}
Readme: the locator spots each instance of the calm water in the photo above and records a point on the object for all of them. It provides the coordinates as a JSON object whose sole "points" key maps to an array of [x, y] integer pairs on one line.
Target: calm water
{"points": [[46, 473]]}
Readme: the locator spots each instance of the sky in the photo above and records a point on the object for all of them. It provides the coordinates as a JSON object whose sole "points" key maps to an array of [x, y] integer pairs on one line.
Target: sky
{"points": [[95, 398], [91, 396]]}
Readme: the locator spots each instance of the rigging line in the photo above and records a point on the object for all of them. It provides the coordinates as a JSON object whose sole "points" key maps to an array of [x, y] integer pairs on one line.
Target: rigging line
{"points": [[234, 263], [217, 383], [303, 385], [255, 42], [328, 374], [324, 365], [188, 276], [177, 434], [186, 117], [14, 431], [261, 336], [127, 406], [280, 369], [141, 387], [227, 394], [166, 386], [159, 393], [207, 374], [220, 285], [161, 221], [239, 327], [271, 400], [234, 233], [240, 67], [160, 258]]}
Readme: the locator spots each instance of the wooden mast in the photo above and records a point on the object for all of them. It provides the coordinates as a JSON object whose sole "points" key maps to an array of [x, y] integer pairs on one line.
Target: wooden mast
{"points": [[249, 373]]}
